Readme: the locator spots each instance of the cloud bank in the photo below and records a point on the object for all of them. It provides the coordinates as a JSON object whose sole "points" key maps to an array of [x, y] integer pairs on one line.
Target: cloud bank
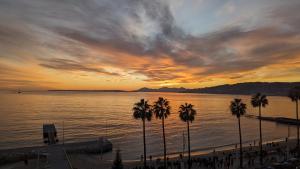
{"points": [[143, 40]]}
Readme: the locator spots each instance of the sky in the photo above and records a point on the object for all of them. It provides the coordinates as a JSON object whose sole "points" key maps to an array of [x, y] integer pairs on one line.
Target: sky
{"points": [[129, 44]]}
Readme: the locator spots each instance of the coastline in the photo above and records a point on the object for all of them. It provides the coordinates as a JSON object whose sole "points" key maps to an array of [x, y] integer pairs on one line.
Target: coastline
{"points": [[84, 159], [10, 156]]}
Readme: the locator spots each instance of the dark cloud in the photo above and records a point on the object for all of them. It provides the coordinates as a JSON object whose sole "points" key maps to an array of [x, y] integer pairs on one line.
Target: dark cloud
{"points": [[158, 73], [211, 51], [71, 65], [265, 46], [145, 29]]}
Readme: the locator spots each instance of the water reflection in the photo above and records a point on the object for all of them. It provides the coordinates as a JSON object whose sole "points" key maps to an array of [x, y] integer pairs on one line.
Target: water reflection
{"points": [[89, 115]]}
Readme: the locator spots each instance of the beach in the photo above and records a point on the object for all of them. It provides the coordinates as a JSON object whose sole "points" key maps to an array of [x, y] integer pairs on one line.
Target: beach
{"points": [[277, 152], [87, 155]]}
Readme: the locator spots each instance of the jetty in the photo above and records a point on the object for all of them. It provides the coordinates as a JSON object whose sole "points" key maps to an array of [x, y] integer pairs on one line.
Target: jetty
{"points": [[53, 155], [56, 155], [280, 120]]}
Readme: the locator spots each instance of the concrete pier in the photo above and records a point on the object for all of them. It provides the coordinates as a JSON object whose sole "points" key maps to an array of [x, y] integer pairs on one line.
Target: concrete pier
{"points": [[281, 120], [57, 158], [56, 154]]}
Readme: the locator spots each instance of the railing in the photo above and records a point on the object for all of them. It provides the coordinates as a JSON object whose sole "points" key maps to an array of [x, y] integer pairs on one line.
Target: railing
{"points": [[68, 159]]}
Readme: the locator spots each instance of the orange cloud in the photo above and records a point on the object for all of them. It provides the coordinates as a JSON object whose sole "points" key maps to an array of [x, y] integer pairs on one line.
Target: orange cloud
{"points": [[143, 46]]}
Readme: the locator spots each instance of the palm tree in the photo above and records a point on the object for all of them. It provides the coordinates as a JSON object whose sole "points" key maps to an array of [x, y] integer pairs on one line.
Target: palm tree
{"points": [[187, 114], [161, 108], [259, 101], [294, 95], [142, 110], [238, 108]]}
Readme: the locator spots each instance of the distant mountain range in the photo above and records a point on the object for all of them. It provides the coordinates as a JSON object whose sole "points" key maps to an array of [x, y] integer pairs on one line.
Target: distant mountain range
{"points": [[272, 88], [249, 88], [163, 89], [87, 91]]}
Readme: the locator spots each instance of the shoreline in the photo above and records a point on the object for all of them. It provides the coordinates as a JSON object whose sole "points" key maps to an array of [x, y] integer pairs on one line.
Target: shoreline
{"points": [[225, 147], [10, 156], [194, 152], [85, 161]]}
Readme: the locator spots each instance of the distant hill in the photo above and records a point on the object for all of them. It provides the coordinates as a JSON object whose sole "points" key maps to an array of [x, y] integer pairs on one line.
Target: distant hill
{"points": [[87, 91], [272, 88], [249, 88], [163, 89]]}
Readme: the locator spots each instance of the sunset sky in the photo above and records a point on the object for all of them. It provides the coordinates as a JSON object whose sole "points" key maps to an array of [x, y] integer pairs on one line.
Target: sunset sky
{"points": [[129, 44]]}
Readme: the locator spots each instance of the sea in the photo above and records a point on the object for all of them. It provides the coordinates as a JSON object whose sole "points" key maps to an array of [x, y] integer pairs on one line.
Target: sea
{"points": [[83, 116]]}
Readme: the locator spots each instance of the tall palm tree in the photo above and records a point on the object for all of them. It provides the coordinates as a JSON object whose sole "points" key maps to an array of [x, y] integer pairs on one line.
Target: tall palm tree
{"points": [[142, 110], [161, 109], [187, 114], [294, 95], [259, 100], [238, 109]]}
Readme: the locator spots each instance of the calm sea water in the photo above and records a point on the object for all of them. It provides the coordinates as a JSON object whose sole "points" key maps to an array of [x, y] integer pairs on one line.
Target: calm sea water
{"points": [[89, 115]]}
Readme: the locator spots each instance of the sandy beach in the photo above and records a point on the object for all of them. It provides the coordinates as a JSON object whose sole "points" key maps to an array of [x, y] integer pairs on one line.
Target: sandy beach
{"points": [[277, 152]]}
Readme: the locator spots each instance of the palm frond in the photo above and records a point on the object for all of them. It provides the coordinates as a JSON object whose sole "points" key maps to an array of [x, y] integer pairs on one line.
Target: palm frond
{"points": [[161, 108], [259, 100], [237, 107], [294, 94], [142, 110], [187, 113]]}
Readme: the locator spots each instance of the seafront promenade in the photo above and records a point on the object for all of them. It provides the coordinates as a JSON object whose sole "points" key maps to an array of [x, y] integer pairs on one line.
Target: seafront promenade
{"points": [[57, 158], [279, 154], [51, 156], [80, 156]]}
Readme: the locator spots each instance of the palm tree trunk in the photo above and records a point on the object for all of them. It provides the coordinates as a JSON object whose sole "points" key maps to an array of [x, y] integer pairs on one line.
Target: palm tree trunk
{"points": [[165, 149], [189, 144], [260, 137], [241, 147], [297, 128], [145, 156]]}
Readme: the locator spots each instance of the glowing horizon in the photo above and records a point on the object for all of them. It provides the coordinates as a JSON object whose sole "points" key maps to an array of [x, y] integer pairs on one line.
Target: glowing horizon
{"points": [[126, 45]]}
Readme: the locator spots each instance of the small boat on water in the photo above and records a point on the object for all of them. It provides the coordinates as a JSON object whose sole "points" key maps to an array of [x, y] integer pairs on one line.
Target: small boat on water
{"points": [[49, 134]]}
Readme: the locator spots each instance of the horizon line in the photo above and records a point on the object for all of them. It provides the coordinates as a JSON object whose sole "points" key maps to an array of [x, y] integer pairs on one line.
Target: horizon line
{"points": [[122, 90]]}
